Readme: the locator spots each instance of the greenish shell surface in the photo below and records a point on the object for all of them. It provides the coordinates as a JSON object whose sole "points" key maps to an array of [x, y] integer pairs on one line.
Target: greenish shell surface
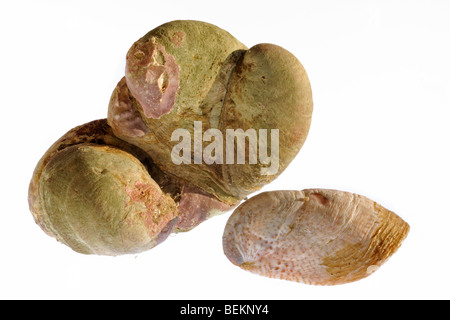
{"points": [[186, 71], [101, 200]]}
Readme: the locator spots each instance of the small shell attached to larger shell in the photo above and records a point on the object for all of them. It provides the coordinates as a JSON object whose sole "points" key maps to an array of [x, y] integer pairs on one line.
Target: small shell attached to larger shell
{"points": [[184, 73], [314, 236], [100, 195]]}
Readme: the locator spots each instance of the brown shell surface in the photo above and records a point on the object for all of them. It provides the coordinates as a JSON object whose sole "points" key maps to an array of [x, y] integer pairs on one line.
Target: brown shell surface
{"points": [[313, 236]]}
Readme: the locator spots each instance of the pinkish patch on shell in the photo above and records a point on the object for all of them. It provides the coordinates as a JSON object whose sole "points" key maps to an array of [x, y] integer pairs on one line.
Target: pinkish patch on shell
{"points": [[177, 38], [152, 77], [196, 206], [167, 230], [152, 198], [123, 116]]}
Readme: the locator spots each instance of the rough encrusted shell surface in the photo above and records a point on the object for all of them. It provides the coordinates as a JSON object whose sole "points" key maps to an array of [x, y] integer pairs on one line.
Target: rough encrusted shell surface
{"points": [[179, 74], [100, 195], [314, 236], [101, 200], [186, 71]]}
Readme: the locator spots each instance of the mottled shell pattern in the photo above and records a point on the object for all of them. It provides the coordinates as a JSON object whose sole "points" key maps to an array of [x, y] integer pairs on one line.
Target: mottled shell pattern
{"points": [[111, 187], [100, 195], [190, 71], [314, 236]]}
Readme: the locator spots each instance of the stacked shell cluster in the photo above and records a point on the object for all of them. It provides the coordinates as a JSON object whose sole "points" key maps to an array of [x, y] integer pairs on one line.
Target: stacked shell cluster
{"points": [[112, 187]]}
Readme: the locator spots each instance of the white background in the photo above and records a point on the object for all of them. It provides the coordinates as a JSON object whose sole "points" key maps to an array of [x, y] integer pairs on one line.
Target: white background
{"points": [[380, 74]]}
